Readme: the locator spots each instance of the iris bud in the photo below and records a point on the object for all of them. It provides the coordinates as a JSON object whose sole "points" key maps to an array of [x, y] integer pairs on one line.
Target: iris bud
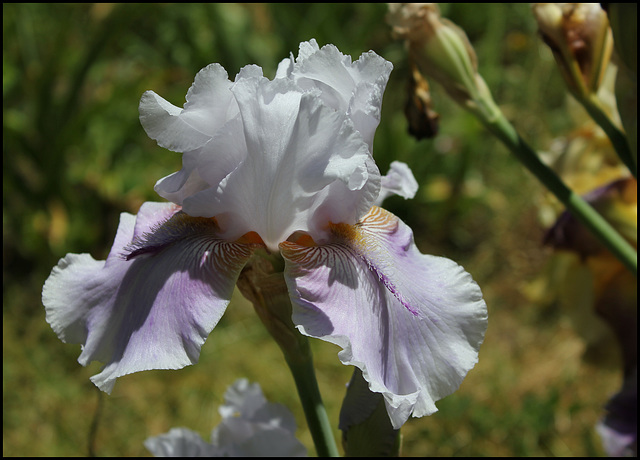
{"points": [[581, 41], [441, 50]]}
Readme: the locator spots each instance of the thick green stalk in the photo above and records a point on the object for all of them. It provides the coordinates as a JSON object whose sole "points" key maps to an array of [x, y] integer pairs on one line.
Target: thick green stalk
{"points": [[301, 366], [619, 141], [574, 203]]}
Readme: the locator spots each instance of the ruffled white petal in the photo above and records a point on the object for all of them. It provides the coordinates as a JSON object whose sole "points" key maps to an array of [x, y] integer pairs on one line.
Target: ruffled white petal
{"points": [[250, 427], [275, 157], [245, 400], [300, 156], [153, 302], [412, 323], [184, 183], [209, 106], [181, 442], [355, 88], [398, 181], [241, 438]]}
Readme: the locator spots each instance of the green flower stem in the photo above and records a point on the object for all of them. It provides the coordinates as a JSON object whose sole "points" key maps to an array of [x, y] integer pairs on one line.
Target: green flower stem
{"points": [[262, 282], [577, 206], [301, 366], [619, 141]]}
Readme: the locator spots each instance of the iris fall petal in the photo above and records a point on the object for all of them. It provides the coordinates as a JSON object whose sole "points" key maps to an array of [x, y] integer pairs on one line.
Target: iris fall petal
{"points": [[153, 302], [412, 323]]}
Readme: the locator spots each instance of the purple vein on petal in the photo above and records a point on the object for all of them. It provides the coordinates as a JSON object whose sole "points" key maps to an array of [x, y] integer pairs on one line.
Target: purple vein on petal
{"points": [[166, 232], [359, 243], [389, 285]]}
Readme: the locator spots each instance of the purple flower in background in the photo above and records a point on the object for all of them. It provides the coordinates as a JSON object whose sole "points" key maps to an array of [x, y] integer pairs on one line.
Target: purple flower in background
{"points": [[251, 427], [286, 166], [618, 429]]}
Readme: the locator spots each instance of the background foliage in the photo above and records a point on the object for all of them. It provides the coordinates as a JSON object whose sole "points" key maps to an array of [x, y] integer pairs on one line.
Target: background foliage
{"points": [[75, 157]]}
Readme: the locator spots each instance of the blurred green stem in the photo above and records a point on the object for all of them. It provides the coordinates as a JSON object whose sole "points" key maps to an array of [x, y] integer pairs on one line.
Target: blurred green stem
{"points": [[595, 109], [301, 365], [574, 203]]}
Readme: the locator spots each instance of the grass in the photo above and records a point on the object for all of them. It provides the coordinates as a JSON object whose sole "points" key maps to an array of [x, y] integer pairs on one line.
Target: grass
{"points": [[75, 156]]}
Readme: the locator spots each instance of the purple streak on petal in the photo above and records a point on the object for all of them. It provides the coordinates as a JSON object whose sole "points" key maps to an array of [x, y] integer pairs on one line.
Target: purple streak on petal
{"points": [[149, 219], [384, 279], [389, 285]]}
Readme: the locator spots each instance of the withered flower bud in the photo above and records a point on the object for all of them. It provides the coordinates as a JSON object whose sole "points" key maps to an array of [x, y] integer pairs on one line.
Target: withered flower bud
{"points": [[423, 120], [580, 38]]}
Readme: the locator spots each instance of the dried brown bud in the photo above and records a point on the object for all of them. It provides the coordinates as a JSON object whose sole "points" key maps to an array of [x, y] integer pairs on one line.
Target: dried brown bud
{"points": [[580, 38], [423, 120]]}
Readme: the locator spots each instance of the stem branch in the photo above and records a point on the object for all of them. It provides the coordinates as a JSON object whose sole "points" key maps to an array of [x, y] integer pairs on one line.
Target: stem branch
{"points": [[593, 106], [574, 203]]}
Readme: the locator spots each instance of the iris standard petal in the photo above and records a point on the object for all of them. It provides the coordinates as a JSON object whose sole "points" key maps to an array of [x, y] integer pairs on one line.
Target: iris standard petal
{"points": [[241, 438], [251, 427], [413, 323], [355, 88], [152, 304], [184, 183], [209, 106], [298, 153], [398, 181], [275, 157]]}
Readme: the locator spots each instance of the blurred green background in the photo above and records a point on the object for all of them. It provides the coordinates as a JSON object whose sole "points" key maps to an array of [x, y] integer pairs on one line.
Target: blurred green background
{"points": [[75, 157]]}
